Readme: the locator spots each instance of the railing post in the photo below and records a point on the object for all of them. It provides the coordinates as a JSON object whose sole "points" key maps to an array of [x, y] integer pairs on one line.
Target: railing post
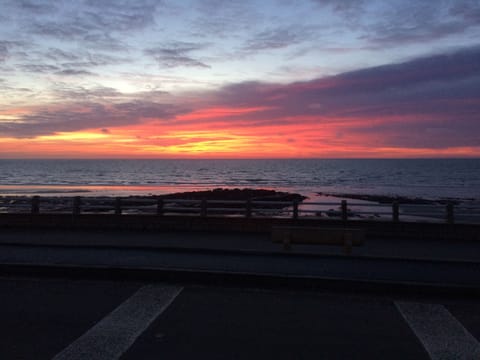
{"points": [[248, 209], [76, 205], [295, 209], [344, 210], [203, 208], [36, 204], [450, 217], [395, 211], [118, 206], [160, 207]]}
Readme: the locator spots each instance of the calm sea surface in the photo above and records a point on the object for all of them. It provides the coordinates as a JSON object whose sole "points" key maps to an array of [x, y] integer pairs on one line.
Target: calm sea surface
{"points": [[457, 178]]}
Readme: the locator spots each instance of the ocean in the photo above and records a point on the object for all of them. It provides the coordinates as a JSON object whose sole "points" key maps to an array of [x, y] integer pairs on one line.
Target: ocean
{"points": [[426, 178]]}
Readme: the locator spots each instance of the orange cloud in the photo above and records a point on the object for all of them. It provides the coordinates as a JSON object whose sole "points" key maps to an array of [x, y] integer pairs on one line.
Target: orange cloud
{"points": [[223, 139], [388, 111], [220, 112]]}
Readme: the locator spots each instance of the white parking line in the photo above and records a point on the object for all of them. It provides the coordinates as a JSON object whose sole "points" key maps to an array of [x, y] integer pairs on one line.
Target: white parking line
{"points": [[114, 334], [442, 335]]}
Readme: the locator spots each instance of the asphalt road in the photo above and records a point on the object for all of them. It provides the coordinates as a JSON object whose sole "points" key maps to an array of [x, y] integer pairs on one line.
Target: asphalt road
{"points": [[84, 319]]}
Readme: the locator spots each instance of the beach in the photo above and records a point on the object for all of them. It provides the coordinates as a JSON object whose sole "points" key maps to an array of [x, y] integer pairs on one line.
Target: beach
{"points": [[372, 185], [252, 202]]}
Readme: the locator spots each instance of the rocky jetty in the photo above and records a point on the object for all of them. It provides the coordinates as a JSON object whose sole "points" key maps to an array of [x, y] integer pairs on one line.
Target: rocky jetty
{"points": [[236, 194], [385, 199]]}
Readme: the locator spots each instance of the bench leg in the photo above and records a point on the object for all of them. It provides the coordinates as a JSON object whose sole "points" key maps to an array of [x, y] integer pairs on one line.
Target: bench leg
{"points": [[347, 243], [286, 242]]}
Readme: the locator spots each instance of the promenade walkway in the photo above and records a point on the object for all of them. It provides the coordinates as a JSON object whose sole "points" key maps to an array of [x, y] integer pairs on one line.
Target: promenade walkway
{"points": [[437, 263], [426, 249]]}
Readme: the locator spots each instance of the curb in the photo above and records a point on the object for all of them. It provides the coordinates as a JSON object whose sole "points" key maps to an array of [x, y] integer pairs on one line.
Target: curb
{"points": [[248, 252], [235, 279]]}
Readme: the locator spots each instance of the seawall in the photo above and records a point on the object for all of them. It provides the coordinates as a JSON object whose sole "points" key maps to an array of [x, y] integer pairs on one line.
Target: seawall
{"points": [[410, 230]]}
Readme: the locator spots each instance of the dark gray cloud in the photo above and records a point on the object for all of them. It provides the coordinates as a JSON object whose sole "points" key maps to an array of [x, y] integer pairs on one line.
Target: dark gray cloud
{"points": [[80, 18], [65, 31], [6, 46], [436, 97], [176, 54], [87, 115], [59, 55], [39, 68], [146, 109], [68, 63], [105, 41], [432, 102], [436, 68], [12, 90], [223, 19], [468, 10], [429, 74], [79, 30], [346, 8], [80, 93], [73, 72], [3, 52], [122, 15], [399, 22], [35, 7], [388, 34], [98, 24], [280, 37], [80, 59], [415, 22]]}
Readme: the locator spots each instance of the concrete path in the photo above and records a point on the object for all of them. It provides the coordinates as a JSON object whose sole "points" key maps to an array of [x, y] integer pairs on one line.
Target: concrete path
{"points": [[233, 266], [245, 242], [406, 262]]}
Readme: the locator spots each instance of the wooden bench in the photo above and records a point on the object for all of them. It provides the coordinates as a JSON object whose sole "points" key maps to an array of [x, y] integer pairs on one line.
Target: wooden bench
{"points": [[346, 237]]}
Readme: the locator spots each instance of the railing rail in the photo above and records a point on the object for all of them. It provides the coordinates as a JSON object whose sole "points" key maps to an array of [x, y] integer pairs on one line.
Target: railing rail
{"points": [[344, 210]]}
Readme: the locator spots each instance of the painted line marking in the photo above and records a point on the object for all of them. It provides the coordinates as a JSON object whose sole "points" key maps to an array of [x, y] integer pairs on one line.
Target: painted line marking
{"points": [[114, 334], [442, 335]]}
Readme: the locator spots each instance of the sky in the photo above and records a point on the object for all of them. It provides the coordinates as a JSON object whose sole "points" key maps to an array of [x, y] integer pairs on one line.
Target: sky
{"points": [[239, 79]]}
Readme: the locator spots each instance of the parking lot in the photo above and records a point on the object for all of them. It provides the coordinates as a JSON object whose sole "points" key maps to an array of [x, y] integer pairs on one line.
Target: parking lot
{"points": [[79, 319]]}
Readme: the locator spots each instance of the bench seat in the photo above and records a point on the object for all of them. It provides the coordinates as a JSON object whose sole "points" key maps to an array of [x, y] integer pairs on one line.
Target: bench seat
{"points": [[346, 237]]}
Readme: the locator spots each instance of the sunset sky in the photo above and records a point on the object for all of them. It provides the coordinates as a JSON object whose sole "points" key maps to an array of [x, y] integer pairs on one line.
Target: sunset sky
{"points": [[239, 79]]}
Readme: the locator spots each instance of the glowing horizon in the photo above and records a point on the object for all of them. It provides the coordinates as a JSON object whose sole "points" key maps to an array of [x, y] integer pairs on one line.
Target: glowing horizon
{"points": [[319, 79]]}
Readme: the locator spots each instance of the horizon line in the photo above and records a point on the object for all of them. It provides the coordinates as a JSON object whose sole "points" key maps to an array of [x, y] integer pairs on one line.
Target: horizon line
{"points": [[247, 158]]}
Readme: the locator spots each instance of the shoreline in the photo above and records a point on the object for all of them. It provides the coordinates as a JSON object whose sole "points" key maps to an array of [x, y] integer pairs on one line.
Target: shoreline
{"points": [[238, 194], [226, 198], [265, 202], [213, 194], [388, 199]]}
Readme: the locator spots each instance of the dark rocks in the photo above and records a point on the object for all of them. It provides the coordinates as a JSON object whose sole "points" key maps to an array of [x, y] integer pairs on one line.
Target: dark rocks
{"points": [[385, 199], [236, 194]]}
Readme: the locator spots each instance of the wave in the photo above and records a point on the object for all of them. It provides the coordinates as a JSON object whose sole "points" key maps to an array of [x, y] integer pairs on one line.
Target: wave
{"points": [[424, 178]]}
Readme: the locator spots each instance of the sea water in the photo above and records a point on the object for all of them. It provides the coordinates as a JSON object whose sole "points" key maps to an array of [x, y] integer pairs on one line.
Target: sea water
{"points": [[427, 178]]}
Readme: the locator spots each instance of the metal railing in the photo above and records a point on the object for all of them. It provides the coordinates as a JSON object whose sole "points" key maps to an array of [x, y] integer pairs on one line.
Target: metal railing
{"points": [[343, 210]]}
